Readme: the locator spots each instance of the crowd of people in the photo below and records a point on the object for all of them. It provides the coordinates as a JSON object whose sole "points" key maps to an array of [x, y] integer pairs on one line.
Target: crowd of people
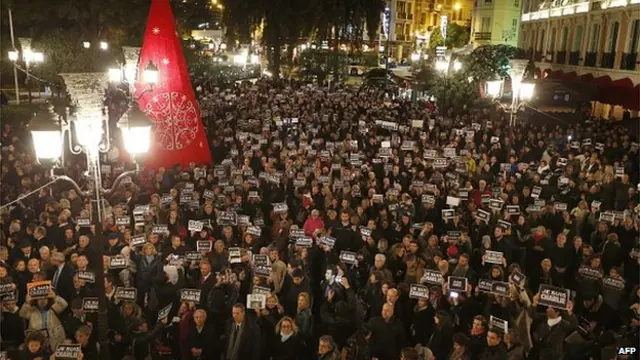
{"points": [[333, 224]]}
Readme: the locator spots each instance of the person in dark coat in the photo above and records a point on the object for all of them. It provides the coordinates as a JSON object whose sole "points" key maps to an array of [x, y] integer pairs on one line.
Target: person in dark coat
{"points": [[441, 340], [61, 276], [242, 337], [422, 322], [495, 349], [548, 336], [388, 335], [288, 343], [201, 337]]}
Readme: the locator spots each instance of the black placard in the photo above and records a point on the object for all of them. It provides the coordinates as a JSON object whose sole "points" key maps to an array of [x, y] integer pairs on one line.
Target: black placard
{"points": [[164, 312], [457, 284], [587, 272], [193, 255], [117, 262], [124, 293], [262, 270], [138, 240], [160, 229], [90, 304], [348, 257], [552, 296], [6, 289], [417, 291], [517, 278], [68, 352], [433, 277], [304, 241], [483, 215], [190, 295], [500, 288], [204, 245], [484, 285], [513, 209], [88, 276], [123, 221], [613, 283]]}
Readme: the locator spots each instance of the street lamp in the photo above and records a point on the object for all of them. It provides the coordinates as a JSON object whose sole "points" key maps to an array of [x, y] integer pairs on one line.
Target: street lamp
{"points": [[104, 45], [45, 131], [494, 88], [136, 130], [92, 135], [415, 57], [442, 65], [525, 92], [150, 74], [13, 55], [86, 44], [457, 65]]}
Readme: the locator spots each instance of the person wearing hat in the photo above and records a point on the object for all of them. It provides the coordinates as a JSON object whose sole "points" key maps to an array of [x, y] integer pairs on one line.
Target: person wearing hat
{"points": [[23, 251]]}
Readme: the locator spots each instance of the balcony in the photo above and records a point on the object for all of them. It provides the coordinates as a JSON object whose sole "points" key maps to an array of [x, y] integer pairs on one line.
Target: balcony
{"points": [[482, 36], [561, 57], [607, 60], [590, 59], [574, 58], [629, 61]]}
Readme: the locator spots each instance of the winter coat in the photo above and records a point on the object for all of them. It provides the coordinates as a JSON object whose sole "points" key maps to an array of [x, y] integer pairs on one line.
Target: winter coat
{"points": [[52, 323]]}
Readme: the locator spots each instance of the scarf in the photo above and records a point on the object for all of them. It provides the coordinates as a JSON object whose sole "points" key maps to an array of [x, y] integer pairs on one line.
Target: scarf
{"points": [[553, 322], [284, 337]]}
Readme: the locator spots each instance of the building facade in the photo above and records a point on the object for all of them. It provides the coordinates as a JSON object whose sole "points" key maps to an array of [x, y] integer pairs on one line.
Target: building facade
{"points": [[496, 22], [590, 39]]}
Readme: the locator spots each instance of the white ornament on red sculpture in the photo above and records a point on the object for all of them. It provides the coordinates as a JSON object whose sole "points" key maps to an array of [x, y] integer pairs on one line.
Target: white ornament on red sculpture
{"points": [[175, 120], [156, 31]]}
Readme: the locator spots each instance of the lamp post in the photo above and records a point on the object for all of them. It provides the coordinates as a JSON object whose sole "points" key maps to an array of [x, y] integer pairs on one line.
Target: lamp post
{"points": [[49, 130], [447, 67]]}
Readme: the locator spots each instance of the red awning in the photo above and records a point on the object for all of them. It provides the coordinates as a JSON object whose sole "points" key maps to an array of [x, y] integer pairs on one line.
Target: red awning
{"points": [[602, 81], [557, 74], [586, 78], [633, 99], [570, 76], [616, 92]]}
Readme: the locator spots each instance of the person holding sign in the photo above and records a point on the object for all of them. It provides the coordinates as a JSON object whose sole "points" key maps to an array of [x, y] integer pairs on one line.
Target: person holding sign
{"points": [[43, 314], [149, 268], [553, 327], [35, 347]]}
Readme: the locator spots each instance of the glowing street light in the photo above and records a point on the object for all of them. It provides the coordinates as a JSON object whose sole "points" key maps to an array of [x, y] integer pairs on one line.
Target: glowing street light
{"points": [[115, 75], [415, 57], [494, 88], [526, 91], [13, 55], [150, 74], [442, 65], [104, 45], [86, 44], [457, 65], [136, 130]]}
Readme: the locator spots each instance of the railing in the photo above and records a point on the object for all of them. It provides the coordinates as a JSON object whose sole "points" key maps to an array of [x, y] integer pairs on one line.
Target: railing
{"points": [[537, 56], [629, 61], [550, 56], [561, 57], [482, 36], [607, 60], [590, 59], [574, 58], [528, 54]]}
